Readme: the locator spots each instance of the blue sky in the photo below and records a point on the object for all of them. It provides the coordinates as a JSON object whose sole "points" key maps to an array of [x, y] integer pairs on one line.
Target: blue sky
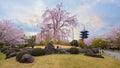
{"points": [[98, 15]]}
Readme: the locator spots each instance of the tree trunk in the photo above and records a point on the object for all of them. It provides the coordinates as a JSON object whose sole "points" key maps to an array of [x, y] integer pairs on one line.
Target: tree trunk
{"points": [[54, 37]]}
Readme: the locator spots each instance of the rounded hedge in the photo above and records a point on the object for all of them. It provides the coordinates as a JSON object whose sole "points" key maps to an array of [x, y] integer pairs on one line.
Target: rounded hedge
{"points": [[4, 48], [37, 52], [74, 50], [20, 54]]}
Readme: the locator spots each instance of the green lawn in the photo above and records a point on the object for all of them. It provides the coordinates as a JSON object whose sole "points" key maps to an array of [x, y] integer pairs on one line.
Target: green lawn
{"points": [[63, 61], [1, 56]]}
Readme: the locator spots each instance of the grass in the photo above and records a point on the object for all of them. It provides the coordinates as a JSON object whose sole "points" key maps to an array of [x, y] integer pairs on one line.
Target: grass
{"points": [[63, 61], [1, 56]]}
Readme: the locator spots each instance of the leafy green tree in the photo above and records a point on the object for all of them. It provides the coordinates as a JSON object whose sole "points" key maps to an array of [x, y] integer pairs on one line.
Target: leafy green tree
{"points": [[99, 43], [31, 41], [81, 43]]}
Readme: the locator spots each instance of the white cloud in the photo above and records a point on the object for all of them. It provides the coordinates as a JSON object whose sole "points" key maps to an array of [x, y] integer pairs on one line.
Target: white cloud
{"points": [[31, 33], [25, 14], [32, 15], [96, 23], [28, 15], [86, 17]]}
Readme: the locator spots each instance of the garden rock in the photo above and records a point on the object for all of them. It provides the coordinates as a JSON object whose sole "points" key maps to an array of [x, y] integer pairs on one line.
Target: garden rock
{"points": [[95, 50], [83, 50], [27, 58], [11, 55], [92, 54], [49, 49], [10, 50], [61, 51]]}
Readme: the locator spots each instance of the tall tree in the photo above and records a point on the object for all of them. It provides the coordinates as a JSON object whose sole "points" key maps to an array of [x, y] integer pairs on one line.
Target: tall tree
{"points": [[117, 41], [59, 21], [31, 40], [99, 43], [113, 37], [9, 35]]}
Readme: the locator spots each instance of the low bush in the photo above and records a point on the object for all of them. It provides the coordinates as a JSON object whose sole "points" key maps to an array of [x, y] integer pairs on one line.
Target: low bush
{"points": [[1, 46], [20, 54], [21, 46], [37, 52], [74, 50], [4, 49]]}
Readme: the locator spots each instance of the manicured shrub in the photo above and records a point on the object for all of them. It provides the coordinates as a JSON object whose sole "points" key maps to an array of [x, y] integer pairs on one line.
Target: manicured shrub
{"points": [[20, 54], [4, 49], [37, 52], [9, 50], [74, 50], [21, 46], [74, 43], [1, 46]]}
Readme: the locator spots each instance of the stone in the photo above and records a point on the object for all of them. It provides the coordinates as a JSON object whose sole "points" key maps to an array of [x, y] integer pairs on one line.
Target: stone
{"points": [[61, 51], [95, 50], [27, 58], [49, 49], [82, 50], [92, 54], [11, 55]]}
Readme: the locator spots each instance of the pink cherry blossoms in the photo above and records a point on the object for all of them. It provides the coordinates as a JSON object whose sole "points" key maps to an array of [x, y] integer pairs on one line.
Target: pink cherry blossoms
{"points": [[109, 36], [58, 22], [10, 35]]}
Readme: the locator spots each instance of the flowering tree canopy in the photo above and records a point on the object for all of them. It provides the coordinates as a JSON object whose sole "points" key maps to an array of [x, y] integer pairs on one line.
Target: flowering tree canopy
{"points": [[111, 38], [112, 34], [10, 35], [58, 21]]}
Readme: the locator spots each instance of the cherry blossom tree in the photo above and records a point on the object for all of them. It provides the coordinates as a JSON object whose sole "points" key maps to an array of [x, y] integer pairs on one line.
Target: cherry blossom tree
{"points": [[9, 35], [113, 37], [58, 21], [112, 33]]}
